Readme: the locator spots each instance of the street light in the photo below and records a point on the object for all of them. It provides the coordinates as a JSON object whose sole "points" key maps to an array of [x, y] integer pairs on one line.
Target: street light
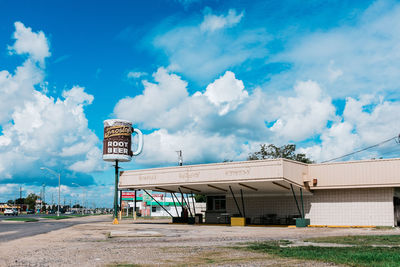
{"points": [[83, 200], [59, 186]]}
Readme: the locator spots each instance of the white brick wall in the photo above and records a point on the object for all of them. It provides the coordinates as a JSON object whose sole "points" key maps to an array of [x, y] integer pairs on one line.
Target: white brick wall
{"points": [[352, 207], [326, 207]]}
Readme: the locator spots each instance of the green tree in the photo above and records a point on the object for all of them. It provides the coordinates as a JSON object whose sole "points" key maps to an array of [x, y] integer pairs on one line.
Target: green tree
{"points": [[20, 201], [30, 200], [200, 198], [273, 152]]}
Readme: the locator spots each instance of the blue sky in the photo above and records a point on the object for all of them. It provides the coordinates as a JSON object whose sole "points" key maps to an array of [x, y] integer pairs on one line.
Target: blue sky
{"points": [[212, 78]]}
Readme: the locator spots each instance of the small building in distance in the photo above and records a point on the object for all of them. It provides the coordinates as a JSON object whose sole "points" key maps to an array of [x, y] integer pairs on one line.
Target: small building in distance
{"points": [[158, 205]]}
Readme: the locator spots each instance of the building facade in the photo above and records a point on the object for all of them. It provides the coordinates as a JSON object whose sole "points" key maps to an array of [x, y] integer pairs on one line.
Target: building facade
{"points": [[355, 193]]}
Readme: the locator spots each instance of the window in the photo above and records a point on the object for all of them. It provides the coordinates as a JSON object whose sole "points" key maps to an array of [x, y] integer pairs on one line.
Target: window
{"points": [[154, 209], [216, 203]]}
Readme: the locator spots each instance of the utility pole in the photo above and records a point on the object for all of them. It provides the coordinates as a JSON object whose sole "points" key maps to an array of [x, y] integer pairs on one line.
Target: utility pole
{"points": [[44, 194], [180, 157], [20, 193], [41, 199]]}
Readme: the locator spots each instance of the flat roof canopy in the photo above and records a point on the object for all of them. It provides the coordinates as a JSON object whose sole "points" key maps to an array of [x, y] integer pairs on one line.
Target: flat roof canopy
{"points": [[272, 177]]}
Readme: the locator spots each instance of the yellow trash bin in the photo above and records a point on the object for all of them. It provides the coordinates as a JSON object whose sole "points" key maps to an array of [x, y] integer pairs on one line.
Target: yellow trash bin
{"points": [[238, 221]]}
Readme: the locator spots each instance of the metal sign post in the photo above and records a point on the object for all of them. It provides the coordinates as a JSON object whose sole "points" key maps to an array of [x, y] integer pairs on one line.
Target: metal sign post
{"points": [[117, 148], [116, 193]]}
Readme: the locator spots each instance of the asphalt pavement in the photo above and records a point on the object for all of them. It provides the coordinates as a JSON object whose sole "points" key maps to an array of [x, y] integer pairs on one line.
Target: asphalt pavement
{"points": [[10, 230], [2, 217]]}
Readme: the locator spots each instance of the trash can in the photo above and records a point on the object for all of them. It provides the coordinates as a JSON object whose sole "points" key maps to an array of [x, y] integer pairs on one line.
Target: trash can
{"points": [[300, 222], [191, 220], [198, 218]]}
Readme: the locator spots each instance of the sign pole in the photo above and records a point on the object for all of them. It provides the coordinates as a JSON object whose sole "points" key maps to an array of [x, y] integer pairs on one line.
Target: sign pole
{"points": [[116, 194], [117, 148]]}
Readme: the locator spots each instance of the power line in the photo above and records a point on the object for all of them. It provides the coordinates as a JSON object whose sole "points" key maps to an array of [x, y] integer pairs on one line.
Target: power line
{"points": [[366, 148]]}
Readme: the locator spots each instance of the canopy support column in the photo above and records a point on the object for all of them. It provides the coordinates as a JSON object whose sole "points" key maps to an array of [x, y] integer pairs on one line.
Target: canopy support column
{"points": [[173, 200], [158, 203], [302, 202], [194, 208], [183, 199], [297, 203], [237, 205], [241, 194]]}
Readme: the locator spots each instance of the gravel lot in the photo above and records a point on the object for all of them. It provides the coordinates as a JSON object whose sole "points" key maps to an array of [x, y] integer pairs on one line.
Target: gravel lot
{"points": [[155, 242]]}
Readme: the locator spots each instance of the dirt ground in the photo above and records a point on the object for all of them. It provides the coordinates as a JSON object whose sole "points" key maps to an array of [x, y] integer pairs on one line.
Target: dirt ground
{"points": [[155, 242]]}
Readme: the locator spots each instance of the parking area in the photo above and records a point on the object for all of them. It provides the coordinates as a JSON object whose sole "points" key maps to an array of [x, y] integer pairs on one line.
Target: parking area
{"points": [[157, 242]]}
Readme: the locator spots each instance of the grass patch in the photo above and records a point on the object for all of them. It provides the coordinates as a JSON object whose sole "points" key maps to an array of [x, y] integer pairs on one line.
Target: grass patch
{"points": [[22, 219], [353, 256], [124, 265], [362, 240], [57, 217]]}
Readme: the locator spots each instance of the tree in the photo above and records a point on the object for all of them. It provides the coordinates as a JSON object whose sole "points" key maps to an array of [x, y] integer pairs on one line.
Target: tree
{"points": [[20, 201], [273, 152], [30, 200], [200, 198]]}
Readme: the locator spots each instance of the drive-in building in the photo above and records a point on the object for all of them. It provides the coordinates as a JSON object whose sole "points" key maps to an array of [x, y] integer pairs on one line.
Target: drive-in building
{"points": [[354, 193]]}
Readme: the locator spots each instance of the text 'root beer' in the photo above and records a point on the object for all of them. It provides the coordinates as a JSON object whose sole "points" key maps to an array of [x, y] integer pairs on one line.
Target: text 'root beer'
{"points": [[118, 140]]}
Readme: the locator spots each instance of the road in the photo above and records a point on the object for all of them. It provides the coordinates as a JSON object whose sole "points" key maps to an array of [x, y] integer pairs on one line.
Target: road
{"points": [[15, 230], [2, 217]]}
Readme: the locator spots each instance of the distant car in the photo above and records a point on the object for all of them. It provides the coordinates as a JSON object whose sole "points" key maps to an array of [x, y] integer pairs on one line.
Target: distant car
{"points": [[11, 212], [30, 212]]}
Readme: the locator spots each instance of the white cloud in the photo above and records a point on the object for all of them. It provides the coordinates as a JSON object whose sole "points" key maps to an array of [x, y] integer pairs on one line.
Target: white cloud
{"points": [[335, 141], [226, 92], [16, 89], [157, 99], [349, 59], [213, 22], [305, 114], [38, 130], [201, 55], [364, 122], [44, 130], [135, 74], [31, 43], [212, 126], [161, 146]]}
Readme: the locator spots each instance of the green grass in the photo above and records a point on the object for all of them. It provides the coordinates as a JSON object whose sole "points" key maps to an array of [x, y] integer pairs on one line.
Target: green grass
{"points": [[124, 265], [362, 240], [22, 219], [55, 217], [353, 256]]}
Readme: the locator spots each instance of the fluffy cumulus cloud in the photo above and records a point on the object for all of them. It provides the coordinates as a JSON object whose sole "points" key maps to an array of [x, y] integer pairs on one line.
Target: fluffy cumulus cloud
{"points": [[331, 91], [365, 121], [33, 44], [305, 114], [225, 121], [38, 130], [226, 93]]}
